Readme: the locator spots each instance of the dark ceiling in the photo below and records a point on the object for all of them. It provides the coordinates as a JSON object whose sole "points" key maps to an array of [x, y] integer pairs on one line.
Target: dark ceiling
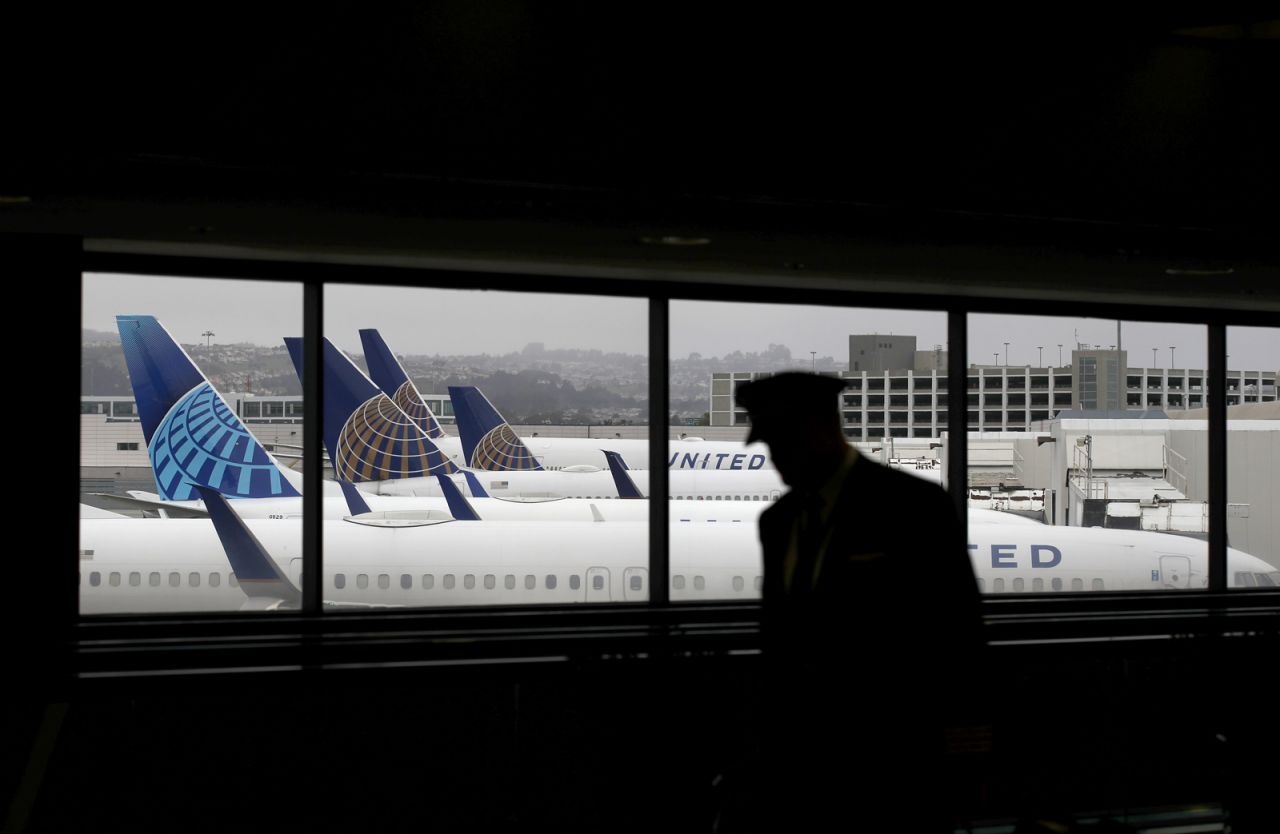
{"points": [[1161, 120]]}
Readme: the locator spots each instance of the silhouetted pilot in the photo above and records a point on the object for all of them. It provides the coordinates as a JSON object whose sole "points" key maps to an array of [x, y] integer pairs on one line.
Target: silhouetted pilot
{"points": [[871, 620]]}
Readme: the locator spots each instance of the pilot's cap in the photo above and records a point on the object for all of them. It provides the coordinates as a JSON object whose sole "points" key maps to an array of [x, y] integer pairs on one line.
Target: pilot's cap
{"points": [[777, 400]]}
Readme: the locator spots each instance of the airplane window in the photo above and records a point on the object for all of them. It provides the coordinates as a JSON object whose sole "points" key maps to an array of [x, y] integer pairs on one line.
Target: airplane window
{"points": [[1271, 579], [449, 582], [597, 583], [637, 583], [153, 579], [1098, 585], [428, 581], [997, 585], [384, 581], [113, 579], [509, 582], [193, 579], [1037, 584], [1056, 584], [699, 583], [490, 581], [1077, 584], [737, 498], [469, 581], [95, 579], [339, 581], [737, 583], [677, 582], [1244, 579], [233, 580], [175, 579], [135, 579], [215, 579], [362, 581], [530, 581], [575, 582], [1019, 584], [406, 581], [551, 582]]}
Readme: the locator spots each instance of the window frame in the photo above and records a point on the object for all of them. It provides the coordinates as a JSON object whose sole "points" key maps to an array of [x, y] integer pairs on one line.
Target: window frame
{"points": [[660, 291]]}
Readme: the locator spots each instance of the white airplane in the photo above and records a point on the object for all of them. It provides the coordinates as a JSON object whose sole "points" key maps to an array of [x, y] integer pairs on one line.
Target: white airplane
{"points": [[487, 442], [372, 442], [194, 438], [137, 566]]}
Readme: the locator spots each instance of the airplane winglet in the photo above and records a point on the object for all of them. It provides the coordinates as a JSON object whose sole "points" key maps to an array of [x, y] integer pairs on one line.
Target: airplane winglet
{"points": [[477, 491], [626, 487], [355, 501], [459, 507], [260, 577]]}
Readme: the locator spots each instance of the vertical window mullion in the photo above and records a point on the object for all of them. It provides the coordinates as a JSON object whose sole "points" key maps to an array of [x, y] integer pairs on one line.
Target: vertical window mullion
{"points": [[659, 488], [313, 467], [1217, 395], [957, 415]]}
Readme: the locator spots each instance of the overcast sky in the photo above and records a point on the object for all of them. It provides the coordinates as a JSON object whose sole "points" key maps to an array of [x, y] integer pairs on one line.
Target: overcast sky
{"points": [[430, 321]]}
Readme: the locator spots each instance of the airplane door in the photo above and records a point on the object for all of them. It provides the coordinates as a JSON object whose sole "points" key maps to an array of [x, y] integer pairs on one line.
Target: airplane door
{"points": [[295, 572], [598, 585], [635, 584], [1175, 571]]}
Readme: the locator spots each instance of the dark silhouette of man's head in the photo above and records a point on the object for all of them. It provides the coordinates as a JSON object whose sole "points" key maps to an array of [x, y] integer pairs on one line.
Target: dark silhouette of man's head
{"points": [[798, 416]]}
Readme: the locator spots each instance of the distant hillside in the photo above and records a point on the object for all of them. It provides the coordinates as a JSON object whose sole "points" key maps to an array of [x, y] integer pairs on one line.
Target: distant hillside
{"points": [[535, 385]]}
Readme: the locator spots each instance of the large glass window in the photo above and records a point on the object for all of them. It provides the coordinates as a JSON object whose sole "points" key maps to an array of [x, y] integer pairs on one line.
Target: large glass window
{"points": [[1253, 458], [541, 386], [176, 355], [719, 487], [1111, 482]]}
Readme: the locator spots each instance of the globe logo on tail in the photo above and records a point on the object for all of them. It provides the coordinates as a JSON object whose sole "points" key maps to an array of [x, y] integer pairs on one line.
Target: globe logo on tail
{"points": [[379, 442], [202, 441]]}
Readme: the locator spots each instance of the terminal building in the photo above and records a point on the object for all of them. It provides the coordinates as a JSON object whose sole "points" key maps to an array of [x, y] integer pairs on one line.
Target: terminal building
{"points": [[894, 390]]}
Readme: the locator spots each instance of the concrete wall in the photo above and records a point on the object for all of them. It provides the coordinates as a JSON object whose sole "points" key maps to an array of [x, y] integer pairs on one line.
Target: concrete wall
{"points": [[1253, 482]]}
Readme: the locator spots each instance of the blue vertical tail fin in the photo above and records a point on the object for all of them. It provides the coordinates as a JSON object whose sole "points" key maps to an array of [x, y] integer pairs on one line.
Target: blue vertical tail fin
{"points": [[368, 437], [487, 440], [193, 436], [388, 374]]}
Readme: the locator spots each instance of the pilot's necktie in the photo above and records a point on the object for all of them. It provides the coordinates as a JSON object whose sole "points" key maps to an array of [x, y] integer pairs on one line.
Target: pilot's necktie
{"points": [[809, 539]]}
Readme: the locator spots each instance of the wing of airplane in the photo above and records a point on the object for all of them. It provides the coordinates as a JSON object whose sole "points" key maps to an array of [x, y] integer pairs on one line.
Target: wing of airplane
{"points": [[127, 502]]}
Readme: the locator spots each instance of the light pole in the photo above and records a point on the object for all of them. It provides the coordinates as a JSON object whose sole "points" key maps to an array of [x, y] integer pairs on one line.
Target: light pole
{"points": [[996, 358], [1153, 357], [1006, 354], [1059, 356], [1040, 361], [208, 334], [1171, 347]]}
